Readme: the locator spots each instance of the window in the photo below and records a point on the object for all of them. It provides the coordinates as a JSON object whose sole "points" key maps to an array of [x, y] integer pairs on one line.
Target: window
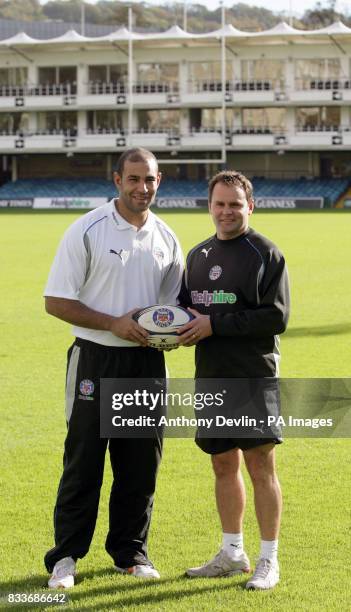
{"points": [[13, 76], [209, 71], [315, 117], [56, 75], [47, 76], [108, 73], [211, 118], [158, 120], [4, 77], [263, 70], [314, 70], [168, 73], [67, 74], [68, 120], [52, 122], [266, 118], [117, 72], [13, 122], [99, 121], [98, 73]]}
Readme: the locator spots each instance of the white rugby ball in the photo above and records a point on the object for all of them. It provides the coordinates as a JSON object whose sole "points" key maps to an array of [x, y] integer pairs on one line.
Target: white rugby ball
{"points": [[162, 323]]}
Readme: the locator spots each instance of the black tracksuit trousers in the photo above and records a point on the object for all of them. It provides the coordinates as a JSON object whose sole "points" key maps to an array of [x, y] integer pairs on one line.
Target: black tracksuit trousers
{"points": [[134, 461]]}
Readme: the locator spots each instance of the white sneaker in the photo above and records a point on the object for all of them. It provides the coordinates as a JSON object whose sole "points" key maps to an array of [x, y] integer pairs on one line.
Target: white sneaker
{"points": [[221, 565], [63, 574], [265, 576], [139, 571]]}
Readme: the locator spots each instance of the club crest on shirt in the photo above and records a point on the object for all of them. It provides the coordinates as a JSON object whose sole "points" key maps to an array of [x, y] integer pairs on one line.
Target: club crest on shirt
{"points": [[158, 253], [215, 272], [163, 317], [86, 387]]}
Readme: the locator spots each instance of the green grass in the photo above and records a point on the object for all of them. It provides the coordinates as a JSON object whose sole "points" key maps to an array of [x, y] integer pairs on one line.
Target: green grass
{"points": [[315, 540]]}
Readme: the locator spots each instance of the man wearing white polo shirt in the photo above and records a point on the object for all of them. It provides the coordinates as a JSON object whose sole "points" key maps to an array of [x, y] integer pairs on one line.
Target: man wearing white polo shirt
{"points": [[115, 259]]}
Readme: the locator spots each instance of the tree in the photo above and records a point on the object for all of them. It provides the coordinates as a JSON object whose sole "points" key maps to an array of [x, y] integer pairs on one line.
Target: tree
{"points": [[321, 16], [161, 17], [28, 10]]}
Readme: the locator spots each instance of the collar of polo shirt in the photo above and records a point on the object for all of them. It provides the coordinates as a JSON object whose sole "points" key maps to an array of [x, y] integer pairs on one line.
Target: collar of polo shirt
{"points": [[123, 224]]}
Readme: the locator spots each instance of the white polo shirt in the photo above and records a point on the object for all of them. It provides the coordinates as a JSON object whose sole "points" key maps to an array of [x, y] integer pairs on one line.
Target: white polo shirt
{"points": [[112, 267]]}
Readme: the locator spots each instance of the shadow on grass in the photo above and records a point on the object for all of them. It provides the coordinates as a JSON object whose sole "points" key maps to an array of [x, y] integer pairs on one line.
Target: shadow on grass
{"points": [[40, 581], [126, 588], [129, 594], [338, 329]]}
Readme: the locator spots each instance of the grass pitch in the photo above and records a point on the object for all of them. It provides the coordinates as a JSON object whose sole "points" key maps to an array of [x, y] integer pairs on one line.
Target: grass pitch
{"points": [[315, 539]]}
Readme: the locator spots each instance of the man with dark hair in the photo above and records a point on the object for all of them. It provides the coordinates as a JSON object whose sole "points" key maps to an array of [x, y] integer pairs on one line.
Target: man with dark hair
{"points": [[236, 337], [135, 154], [231, 177], [111, 262]]}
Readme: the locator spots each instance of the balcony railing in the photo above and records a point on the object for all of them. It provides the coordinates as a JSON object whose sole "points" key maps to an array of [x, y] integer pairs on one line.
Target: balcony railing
{"points": [[244, 130], [257, 130], [121, 87], [177, 134], [258, 85], [171, 131], [322, 84], [105, 130], [213, 85], [149, 87], [213, 129], [168, 87], [319, 128], [9, 91], [207, 86], [99, 87], [63, 89]]}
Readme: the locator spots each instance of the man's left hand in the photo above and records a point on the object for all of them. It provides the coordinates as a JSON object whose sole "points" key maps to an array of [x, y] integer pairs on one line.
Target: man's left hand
{"points": [[196, 330]]}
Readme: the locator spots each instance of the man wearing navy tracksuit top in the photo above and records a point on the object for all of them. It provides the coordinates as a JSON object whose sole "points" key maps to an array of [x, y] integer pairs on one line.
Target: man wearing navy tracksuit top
{"points": [[236, 285]]}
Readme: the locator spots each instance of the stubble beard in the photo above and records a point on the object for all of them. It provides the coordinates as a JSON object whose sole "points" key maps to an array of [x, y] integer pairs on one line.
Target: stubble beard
{"points": [[133, 206]]}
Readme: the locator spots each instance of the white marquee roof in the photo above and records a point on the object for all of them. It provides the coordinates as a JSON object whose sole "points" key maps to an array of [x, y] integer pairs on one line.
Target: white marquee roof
{"points": [[19, 39], [119, 35], [280, 31], [68, 37], [174, 32]]}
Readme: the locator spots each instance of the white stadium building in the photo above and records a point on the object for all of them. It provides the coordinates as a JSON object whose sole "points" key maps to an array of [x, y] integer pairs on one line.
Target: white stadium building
{"points": [[274, 104]]}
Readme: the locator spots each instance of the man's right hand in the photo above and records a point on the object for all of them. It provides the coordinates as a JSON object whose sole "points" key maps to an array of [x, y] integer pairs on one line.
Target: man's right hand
{"points": [[125, 327], [73, 311]]}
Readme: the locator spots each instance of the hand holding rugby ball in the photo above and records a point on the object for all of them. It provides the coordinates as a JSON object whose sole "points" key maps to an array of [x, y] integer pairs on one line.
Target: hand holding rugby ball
{"points": [[162, 323]]}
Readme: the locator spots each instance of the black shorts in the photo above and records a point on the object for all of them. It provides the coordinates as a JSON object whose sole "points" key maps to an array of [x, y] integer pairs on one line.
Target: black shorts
{"points": [[215, 446], [244, 414]]}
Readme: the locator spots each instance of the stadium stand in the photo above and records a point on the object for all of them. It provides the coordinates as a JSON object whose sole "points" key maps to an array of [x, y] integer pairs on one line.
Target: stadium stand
{"points": [[275, 115], [329, 189], [48, 188]]}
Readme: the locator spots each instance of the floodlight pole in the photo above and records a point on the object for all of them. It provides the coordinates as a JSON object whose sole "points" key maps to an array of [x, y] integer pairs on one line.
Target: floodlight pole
{"points": [[82, 19], [185, 16], [130, 77], [290, 14], [223, 75]]}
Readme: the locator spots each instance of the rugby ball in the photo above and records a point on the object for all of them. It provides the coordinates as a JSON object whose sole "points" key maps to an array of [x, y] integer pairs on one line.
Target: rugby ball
{"points": [[162, 323]]}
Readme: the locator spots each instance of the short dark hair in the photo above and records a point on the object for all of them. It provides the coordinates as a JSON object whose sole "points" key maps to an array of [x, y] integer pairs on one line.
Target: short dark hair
{"points": [[231, 177], [135, 154]]}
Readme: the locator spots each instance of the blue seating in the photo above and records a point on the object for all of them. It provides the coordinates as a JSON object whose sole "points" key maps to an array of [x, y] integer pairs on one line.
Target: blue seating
{"points": [[172, 188], [49, 188], [330, 189]]}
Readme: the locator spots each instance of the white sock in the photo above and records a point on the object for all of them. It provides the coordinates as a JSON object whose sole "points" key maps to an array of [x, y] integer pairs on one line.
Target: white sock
{"points": [[233, 544], [269, 550]]}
